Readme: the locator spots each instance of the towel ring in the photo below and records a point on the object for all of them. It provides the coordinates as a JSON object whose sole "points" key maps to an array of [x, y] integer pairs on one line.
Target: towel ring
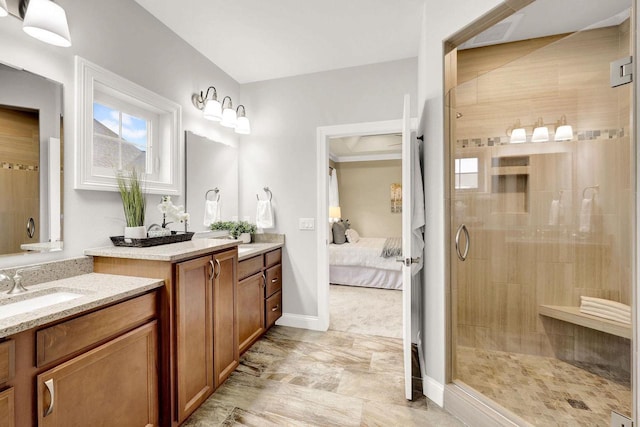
{"points": [[266, 190], [216, 192], [595, 189]]}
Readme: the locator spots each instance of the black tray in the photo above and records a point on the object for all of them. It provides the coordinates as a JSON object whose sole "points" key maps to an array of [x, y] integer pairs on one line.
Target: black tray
{"points": [[175, 237]]}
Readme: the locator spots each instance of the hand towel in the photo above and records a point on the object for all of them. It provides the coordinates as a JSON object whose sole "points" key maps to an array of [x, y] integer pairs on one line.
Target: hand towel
{"points": [[554, 212], [264, 214], [585, 215], [211, 212]]}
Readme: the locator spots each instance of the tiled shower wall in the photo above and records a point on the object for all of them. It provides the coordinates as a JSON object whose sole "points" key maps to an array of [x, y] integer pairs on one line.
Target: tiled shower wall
{"points": [[517, 260]]}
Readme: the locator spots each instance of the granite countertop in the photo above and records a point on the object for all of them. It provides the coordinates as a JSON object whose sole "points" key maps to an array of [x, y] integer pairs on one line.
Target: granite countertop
{"points": [[96, 289], [172, 252], [250, 250]]}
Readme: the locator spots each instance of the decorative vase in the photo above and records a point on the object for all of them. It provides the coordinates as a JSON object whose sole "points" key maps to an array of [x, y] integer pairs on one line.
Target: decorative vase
{"points": [[139, 232], [245, 237]]}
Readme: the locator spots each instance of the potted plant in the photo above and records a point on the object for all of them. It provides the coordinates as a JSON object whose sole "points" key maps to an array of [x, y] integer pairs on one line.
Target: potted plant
{"points": [[133, 202], [237, 229]]}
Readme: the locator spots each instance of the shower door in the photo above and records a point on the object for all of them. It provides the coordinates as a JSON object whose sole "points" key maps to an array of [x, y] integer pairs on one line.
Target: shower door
{"points": [[541, 161]]}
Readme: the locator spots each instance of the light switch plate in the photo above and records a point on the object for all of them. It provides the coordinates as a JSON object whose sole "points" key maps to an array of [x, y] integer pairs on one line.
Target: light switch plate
{"points": [[307, 223], [619, 420]]}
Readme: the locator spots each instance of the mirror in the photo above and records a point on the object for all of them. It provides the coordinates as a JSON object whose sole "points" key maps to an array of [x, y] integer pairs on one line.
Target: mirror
{"points": [[31, 144], [210, 165]]}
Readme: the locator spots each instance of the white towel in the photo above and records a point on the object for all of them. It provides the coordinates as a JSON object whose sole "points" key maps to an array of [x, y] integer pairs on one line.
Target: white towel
{"points": [[211, 212], [605, 303], [264, 214], [585, 215], [605, 314], [554, 212], [334, 195], [418, 214]]}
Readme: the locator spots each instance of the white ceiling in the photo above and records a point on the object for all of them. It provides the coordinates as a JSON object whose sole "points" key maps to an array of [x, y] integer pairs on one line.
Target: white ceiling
{"points": [[253, 40], [367, 147]]}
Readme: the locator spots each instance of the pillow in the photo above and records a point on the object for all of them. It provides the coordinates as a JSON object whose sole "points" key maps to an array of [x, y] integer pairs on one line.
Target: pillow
{"points": [[352, 236], [330, 232], [339, 233]]}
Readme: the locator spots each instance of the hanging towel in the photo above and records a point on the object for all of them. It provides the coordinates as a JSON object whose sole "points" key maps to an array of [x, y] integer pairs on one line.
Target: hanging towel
{"points": [[554, 212], [211, 212], [585, 215], [264, 214], [418, 214]]}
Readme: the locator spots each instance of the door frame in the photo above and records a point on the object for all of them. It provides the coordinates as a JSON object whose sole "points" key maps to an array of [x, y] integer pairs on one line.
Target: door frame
{"points": [[323, 134]]}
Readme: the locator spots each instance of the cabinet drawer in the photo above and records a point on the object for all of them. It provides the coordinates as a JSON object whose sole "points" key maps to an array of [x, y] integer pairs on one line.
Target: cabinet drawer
{"points": [[274, 308], [78, 334], [274, 280], [7, 408], [249, 267], [7, 360], [273, 258]]}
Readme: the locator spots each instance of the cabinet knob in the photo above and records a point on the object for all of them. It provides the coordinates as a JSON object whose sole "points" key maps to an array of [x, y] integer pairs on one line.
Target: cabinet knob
{"points": [[276, 307], [274, 280]]}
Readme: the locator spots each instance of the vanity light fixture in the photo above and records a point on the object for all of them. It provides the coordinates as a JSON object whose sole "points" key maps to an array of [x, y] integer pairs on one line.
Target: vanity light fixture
{"points": [[242, 125], [4, 10], [211, 108], [229, 118], [46, 21], [540, 132], [517, 134], [564, 132]]}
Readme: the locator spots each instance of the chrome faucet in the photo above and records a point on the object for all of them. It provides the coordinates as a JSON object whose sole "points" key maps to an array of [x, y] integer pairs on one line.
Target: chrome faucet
{"points": [[16, 280]]}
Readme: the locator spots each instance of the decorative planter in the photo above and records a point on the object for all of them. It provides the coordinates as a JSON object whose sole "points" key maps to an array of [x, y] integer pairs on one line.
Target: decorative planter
{"points": [[245, 237], [139, 232]]}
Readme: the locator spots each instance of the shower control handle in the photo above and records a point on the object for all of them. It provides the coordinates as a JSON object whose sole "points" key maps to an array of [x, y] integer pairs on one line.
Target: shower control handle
{"points": [[462, 229]]}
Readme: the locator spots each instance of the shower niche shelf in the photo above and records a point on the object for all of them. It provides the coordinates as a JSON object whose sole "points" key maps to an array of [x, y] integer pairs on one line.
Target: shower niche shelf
{"points": [[573, 315]]}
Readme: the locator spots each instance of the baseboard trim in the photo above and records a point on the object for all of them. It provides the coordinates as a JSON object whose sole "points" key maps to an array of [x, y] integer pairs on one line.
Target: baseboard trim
{"points": [[473, 411], [301, 321], [433, 390]]}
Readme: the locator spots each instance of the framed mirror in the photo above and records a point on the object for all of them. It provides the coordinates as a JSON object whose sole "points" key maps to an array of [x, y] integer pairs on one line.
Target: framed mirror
{"points": [[210, 166], [31, 147]]}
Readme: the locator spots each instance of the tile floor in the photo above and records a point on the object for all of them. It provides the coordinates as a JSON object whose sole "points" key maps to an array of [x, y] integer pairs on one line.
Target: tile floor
{"points": [[296, 377], [546, 391]]}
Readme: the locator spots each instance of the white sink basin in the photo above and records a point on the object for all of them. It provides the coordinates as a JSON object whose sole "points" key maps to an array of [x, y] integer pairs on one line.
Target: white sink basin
{"points": [[242, 250], [34, 302]]}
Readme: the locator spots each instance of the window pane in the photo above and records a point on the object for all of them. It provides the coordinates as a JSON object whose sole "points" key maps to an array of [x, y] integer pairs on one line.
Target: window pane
{"points": [[469, 165], [106, 152], [457, 163], [134, 130], [457, 181], [469, 180], [105, 120]]}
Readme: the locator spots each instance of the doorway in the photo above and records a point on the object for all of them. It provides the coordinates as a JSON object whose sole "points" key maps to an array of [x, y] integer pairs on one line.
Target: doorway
{"points": [[542, 202]]}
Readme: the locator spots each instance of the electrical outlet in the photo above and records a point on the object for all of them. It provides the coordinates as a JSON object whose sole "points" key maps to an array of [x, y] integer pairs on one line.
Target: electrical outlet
{"points": [[619, 420], [306, 223]]}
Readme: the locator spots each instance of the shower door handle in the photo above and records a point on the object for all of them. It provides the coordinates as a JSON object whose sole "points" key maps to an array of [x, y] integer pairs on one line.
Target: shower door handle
{"points": [[461, 229]]}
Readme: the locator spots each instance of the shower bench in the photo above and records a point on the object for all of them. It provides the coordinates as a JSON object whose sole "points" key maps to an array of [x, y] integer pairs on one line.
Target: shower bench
{"points": [[573, 315]]}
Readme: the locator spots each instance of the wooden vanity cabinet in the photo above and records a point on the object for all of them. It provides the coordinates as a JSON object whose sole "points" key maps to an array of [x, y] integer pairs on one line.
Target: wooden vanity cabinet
{"points": [[7, 373], [199, 334], [259, 296]]}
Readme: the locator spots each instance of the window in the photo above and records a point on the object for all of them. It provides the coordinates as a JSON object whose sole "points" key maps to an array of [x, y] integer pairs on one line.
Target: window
{"points": [[124, 126], [466, 173]]}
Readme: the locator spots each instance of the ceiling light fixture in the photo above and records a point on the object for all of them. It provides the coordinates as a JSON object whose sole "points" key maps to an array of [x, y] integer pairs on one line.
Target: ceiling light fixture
{"points": [[229, 118], [540, 132], [564, 132], [4, 10], [242, 125], [46, 21]]}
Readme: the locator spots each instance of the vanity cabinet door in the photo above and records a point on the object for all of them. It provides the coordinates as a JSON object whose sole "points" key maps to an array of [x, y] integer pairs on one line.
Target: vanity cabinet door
{"points": [[250, 310], [7, 408], [194, 334], [114, 384], [225, 326]]}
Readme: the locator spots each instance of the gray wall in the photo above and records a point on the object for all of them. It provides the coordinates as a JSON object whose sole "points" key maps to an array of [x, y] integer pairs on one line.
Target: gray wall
{"points": [[281, 151], [122, 37]]}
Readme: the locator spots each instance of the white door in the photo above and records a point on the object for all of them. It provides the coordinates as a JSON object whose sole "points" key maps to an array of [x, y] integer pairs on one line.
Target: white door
{"points": [[411, 244]]}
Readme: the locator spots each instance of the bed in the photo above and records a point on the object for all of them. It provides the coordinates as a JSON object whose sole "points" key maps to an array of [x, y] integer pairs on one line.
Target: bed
{"points": [[362, 264]]}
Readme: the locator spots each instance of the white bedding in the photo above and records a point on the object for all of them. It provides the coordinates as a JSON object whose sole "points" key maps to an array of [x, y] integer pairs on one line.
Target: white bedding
{"points": [[365, 253]]}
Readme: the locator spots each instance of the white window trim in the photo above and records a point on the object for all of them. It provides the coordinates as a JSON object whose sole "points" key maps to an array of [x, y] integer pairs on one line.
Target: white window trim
{"points": [[169, 178]]}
